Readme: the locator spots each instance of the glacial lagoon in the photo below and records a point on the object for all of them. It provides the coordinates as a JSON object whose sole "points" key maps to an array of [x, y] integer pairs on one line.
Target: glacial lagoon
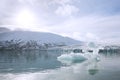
{"points": [[43, 65]]}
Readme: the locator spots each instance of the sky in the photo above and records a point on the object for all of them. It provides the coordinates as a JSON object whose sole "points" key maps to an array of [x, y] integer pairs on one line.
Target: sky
{"points": [[85, 20]]}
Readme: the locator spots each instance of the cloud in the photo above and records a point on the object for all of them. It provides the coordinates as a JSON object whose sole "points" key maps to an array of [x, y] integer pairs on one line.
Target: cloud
{"points": [[62, 2], [66, 10], [91, 37], [92, 28], [97, 20]]}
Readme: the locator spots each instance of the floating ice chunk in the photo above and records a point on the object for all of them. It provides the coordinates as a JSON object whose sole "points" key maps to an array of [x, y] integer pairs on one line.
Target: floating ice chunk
{"points": [[71, 58]]}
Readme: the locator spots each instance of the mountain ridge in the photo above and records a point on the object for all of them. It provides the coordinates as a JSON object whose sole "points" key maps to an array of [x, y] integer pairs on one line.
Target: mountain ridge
{"points": [[41, 37]]}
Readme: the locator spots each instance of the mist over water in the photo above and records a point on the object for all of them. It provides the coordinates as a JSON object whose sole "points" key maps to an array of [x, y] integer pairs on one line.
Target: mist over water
{"points": [[43, 65]]}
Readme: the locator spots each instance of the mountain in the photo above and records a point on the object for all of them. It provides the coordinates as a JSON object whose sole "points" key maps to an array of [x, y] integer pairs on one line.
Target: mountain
{"points": [[40, 37], [3, 29]]}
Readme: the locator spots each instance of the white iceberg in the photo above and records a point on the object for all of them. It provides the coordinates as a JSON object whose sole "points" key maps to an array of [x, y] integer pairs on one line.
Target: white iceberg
{"points": [[78, 55]]}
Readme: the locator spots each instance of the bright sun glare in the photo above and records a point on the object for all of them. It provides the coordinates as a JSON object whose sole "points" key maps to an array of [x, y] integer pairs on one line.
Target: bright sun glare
{"points": [[25, 18]]}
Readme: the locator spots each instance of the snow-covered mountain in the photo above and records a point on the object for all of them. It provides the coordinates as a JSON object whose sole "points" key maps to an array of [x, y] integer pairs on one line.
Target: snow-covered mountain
{"points": [[3, 29], [40, 37]]}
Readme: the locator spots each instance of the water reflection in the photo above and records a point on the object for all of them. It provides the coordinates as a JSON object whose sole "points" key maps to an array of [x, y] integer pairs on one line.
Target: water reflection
{"points": [[34, 60], [93, 71], [93, 68], [110, 54], [89, 66], [43, 65]]}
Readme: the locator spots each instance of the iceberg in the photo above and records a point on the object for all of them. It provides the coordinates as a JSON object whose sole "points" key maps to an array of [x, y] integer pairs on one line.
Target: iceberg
{"points": [[79, 55]]}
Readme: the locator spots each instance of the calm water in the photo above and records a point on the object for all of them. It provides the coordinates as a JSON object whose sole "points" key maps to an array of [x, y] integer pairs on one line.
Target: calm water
{"points": [[43, 65]]}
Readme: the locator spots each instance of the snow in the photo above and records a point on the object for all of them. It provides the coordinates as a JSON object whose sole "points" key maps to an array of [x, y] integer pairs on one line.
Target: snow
{"points": [[40, 37]]}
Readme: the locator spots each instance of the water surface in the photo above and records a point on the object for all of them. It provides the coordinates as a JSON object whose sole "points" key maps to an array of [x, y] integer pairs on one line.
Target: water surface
{"points": [[43, 65]]}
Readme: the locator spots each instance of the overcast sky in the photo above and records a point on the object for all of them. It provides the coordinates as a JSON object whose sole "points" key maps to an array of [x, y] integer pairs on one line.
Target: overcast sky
{"points": [[86, 20]]}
